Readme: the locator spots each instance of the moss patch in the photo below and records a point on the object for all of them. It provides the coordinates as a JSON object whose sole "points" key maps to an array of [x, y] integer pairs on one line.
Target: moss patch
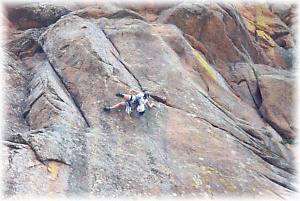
{"points": [[205, 65]]}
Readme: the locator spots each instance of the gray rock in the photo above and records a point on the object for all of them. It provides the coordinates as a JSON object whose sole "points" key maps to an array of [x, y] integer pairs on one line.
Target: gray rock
{"points": [[200, 139]]}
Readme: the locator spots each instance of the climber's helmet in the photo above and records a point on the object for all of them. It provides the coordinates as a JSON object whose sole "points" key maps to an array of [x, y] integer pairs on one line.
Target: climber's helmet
{"points": [[146, 94]]}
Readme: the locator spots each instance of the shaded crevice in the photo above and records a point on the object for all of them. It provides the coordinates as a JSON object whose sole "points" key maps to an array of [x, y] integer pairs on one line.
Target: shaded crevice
{"points": [[280, 183], [111, 42], [77, 105], [130, 72], [52, 104], [27, 110], [255, 98], [277, 35], [242, 80], [258, 104], [14, 145], [56, 160], [24, 144], [273, 160], [17, 71], [251, 133], [164, 101]]}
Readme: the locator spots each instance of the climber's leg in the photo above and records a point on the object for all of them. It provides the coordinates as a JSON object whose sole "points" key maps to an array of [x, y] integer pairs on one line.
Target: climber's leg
{"points": [[116, 106]]}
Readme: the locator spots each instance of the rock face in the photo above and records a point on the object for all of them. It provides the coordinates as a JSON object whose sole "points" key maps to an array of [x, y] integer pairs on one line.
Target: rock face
{"points": [[224, 107]]}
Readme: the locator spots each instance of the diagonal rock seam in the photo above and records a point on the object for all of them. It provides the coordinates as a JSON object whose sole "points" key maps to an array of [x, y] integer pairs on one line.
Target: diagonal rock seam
{"points": [[283, 184], [227, 113], [248, 146], [77, 105], [121, 60], [28, 108]]}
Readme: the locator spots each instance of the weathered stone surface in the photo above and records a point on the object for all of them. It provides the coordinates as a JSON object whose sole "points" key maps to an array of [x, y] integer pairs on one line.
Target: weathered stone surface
{"points": [[24, 43], [34, 15], [149, 9], [26, 176], [223, 35], [135, 71], [49, 103], [207, 135], [16, 81]]}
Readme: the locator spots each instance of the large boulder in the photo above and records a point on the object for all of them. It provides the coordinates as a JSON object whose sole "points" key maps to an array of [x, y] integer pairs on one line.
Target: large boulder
{"points": [[271, 91], [278, 102], [223, 32], [34, 15]]}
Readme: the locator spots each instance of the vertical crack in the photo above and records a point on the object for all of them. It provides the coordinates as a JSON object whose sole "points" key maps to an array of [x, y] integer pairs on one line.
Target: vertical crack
{"points": [[118, 57]]}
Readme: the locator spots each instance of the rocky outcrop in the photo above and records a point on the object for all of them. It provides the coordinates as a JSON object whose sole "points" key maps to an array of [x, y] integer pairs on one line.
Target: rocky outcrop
{"points": [[24, 43], [232, 27], [34, 15], [215, 130], [272, 34], [271, 91], [277, 91]]}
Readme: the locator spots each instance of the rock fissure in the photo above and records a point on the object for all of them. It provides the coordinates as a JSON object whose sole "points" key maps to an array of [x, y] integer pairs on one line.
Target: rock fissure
{"points": [[280, 183], [118, 57], [28, 108], [76, 104]]}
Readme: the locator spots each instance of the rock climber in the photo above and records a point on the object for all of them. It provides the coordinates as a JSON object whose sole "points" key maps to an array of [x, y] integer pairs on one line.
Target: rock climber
{"points": [[139, 102]]}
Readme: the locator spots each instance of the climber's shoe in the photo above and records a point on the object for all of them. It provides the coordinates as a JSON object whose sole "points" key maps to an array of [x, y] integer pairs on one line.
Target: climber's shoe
{"points": [[119, 95], [106, 109]]}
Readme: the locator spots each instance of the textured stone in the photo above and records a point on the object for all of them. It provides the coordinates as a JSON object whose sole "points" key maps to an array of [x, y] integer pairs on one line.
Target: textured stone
{"points": [[34, 15], [213, 130]]}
